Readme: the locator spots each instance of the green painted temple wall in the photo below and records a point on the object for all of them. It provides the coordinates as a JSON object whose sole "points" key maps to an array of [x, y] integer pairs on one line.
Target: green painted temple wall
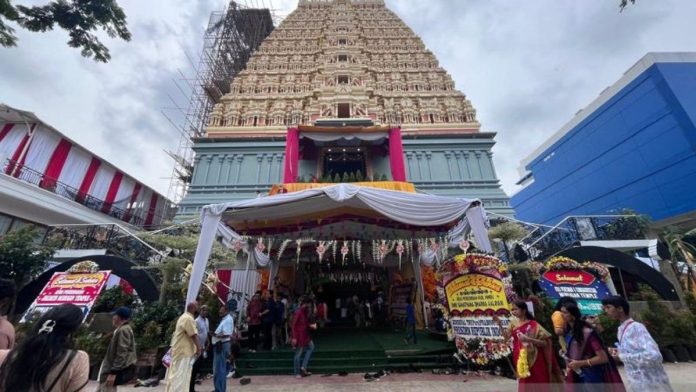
{"points": [[233, 170]]}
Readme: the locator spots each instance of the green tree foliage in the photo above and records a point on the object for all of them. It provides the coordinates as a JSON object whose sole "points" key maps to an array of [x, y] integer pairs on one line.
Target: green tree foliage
{"points": [[337, 178], [21, 256], [180, 247], [507, 233], [359, 176], [80, 18], [113, 298], [682, 250]]}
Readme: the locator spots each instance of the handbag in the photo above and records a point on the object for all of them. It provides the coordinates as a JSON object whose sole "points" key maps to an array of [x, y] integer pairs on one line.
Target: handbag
{"points": [[167, 358]]}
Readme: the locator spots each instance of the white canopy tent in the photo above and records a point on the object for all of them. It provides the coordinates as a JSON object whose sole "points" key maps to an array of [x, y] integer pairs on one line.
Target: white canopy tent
{"points": [[337, 211]]}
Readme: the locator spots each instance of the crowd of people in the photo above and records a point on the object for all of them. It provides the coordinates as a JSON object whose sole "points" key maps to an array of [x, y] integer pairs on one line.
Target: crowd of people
{"points": [[45, 360], [590, 365]]}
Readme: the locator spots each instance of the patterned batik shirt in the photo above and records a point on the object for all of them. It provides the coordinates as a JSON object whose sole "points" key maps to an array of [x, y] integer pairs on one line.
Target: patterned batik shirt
{"points": [[642, 359]]}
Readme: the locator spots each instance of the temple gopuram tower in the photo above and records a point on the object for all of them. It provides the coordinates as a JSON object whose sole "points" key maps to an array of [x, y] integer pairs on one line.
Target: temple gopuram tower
{"points": [[333, 93]]}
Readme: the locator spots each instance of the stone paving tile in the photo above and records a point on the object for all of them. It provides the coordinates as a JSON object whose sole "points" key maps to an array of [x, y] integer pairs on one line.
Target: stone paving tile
{"points": [[682, 375]]}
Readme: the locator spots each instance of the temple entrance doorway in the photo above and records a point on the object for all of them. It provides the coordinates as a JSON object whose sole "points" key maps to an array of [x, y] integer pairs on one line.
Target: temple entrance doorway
{"points": [[344, 160]]}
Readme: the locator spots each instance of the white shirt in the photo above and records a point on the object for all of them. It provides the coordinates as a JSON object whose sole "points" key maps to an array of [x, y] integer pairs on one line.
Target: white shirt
{"points": [[642, 359], [203, 326], [226, 327]]}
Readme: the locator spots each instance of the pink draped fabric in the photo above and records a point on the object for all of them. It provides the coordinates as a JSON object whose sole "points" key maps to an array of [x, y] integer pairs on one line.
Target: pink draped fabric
{"points": [[292, 155], [396, 155]]}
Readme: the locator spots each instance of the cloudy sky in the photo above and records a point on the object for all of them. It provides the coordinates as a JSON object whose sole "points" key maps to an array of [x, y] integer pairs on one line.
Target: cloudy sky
{"points": [[527, 66]]}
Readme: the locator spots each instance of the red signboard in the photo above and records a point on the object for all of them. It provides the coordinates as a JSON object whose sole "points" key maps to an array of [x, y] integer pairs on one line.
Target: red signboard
{"points": [[81, 289], [570, 277]]}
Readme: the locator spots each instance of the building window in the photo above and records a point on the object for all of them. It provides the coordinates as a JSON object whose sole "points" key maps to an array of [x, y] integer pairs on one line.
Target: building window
{"points": [[343, 110], [343, 79], [342, 41], [342, 58]]}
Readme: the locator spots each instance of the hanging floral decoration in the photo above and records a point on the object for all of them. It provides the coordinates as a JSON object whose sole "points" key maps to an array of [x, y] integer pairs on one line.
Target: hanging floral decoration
{"points": [[282, 248], [344, 252], [400, 250], [321, 249], [298, 251]]}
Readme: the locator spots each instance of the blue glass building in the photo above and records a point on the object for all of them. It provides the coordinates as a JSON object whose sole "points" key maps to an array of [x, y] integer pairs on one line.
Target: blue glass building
{"points": [[633, 147]]}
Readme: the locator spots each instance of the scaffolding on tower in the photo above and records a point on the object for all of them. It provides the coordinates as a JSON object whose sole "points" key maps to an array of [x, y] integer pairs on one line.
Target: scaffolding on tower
{"points": [[231, 37]]}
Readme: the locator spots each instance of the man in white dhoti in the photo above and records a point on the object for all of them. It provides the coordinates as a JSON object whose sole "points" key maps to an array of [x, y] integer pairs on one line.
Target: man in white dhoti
{"points": [[185, 350], [636, 349]]}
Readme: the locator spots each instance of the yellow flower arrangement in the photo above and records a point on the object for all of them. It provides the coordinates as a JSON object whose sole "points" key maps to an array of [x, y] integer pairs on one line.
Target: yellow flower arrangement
{"points": [[523, 364]]}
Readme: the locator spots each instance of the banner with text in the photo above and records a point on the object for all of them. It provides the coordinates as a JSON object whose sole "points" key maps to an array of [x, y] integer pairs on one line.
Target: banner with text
{"points": [[473, 299], [68, 288], [586, 288]]}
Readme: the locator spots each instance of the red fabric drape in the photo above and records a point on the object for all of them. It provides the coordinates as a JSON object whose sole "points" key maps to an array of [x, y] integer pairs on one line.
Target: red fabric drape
{"points": [[292, 155], [133, 198], [112, 192], [151, 210], [5, 130], [55, 164], [17, 160], [88, 179], [224, 278], [396, 155]]}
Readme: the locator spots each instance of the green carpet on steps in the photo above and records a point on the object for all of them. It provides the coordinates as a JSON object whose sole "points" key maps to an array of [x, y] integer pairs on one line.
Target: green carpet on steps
{"points": [[352, 350]]}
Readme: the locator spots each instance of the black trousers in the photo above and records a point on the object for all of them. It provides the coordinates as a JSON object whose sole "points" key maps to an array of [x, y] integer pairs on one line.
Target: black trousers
{"points": [[267, 336], [254, 331]]}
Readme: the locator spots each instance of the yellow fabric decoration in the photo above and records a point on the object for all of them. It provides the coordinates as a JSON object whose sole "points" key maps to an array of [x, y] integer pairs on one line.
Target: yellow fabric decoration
{"points": [[523, 364], [389, 185]]}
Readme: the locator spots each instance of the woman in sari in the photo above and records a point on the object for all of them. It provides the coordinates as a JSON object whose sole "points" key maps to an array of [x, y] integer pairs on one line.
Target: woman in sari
{"points": [[590, 367], [544, 374]]}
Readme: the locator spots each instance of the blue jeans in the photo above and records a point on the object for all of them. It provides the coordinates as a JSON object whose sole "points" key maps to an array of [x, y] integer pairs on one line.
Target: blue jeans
{"points": [[220, 354], [307, 351]]}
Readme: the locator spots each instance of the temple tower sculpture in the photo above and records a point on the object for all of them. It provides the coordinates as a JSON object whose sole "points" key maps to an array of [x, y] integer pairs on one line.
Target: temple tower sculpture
{"points": [[343, 63]]}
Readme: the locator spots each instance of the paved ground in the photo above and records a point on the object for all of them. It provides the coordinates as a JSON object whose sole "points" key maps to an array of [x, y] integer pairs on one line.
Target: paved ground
{"points": [[683, 377]]}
